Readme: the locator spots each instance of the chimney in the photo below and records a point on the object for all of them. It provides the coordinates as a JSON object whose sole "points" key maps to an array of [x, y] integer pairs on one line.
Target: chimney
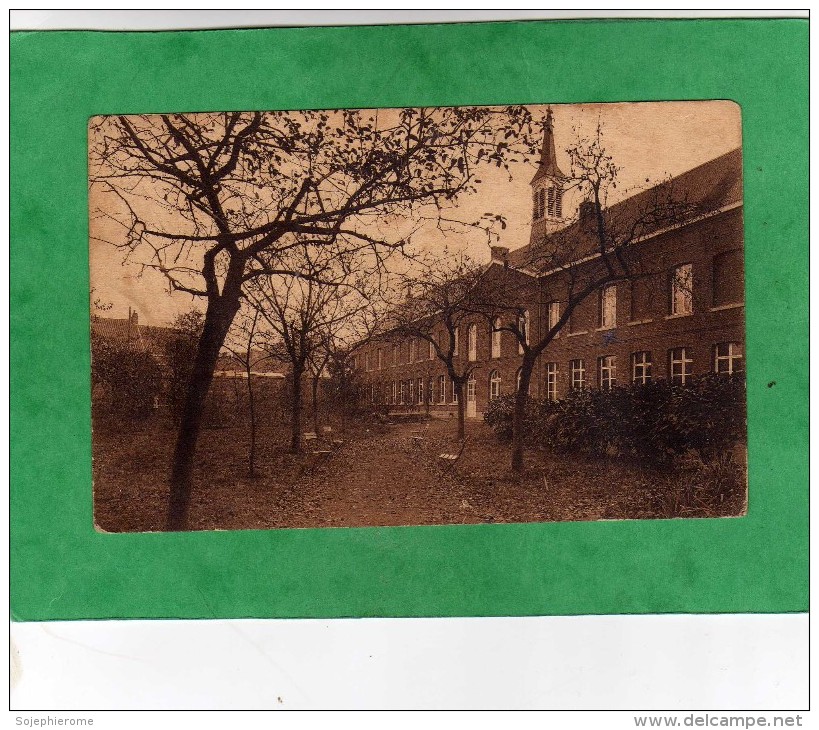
{"points": [[500, 254], [586, 210], [134, 317], [587, 215]]}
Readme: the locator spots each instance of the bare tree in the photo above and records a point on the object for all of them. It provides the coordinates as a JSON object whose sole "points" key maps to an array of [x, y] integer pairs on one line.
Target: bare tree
{"points": [[243, 344], [301, 312], [576, 263], [215, 201]]}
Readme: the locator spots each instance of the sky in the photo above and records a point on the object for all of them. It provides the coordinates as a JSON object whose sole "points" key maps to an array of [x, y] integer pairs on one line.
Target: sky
{"points": [[649, 141]]}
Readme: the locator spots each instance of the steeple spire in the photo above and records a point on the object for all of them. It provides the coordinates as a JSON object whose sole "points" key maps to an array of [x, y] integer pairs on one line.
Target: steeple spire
{"points": [[548, 157]]}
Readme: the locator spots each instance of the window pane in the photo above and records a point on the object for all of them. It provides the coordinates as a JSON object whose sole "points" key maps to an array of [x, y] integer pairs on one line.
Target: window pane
{"points": [[682, 290]]}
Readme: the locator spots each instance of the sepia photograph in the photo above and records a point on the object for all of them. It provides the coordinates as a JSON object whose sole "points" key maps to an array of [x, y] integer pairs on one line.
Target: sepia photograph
{"points": [[417, 316]]}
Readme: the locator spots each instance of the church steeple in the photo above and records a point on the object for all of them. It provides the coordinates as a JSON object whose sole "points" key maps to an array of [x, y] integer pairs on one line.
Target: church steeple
{"points": [[548, 157], [547, 186]]}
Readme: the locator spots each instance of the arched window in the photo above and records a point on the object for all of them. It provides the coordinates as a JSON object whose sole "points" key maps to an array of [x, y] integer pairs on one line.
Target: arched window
{"points": [[496, 337], [473, 342], [494, 385]]}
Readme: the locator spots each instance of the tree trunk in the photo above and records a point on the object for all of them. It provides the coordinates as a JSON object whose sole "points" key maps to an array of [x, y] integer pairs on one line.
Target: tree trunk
{"points": [[218, 318], [295, 409], [315, 385], [459, 394], [519, 414], [252, 409]]}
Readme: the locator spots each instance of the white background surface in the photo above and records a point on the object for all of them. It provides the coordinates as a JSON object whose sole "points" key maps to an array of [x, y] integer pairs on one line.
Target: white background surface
{"points": [[638, 663]]}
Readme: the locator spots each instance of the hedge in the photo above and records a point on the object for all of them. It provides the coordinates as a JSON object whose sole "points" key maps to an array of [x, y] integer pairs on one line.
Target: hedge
{"points": [[655, 421]]}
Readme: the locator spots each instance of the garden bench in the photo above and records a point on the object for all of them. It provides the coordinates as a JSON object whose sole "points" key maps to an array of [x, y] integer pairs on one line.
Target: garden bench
{"points": [[448, 460], [417, 437]]}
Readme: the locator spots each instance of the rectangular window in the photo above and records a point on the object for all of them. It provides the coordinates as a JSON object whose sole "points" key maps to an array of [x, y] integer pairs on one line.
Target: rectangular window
{"points": [[394, 355], [641, 367], [394, 396], [607, 372], [553, 314], [680, 364], [682, 289], [457, 340], [431, 350], [551, 381], [727, 358], [523, 328], [410, 391], [420, 390], [578, 373], [412, 353], [496, 338], [401, 392], [454, 393], [380, 358], [558, 203], [473, 342], [550, 206], [608, 307], [442, 388]]}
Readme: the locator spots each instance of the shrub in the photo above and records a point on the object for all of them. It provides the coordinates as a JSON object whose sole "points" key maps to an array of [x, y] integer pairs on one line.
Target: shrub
{"points": [[180, 352], [131, 378], [655, 422]]}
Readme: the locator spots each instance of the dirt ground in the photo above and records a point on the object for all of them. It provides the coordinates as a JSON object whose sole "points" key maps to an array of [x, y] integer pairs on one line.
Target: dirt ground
{"points": [[380, 475]]}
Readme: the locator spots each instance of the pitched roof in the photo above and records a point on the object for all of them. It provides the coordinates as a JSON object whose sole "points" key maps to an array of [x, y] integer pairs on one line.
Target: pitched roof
{"points": [[548, 156], [140, 337], [704, 189]]}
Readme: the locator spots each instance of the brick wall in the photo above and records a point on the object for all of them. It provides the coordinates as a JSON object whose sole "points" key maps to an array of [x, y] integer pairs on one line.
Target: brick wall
{"points": [[644, 322]]}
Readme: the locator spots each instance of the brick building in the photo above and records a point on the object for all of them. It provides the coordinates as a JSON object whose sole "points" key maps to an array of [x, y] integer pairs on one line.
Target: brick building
{"points": [[683, 315]]}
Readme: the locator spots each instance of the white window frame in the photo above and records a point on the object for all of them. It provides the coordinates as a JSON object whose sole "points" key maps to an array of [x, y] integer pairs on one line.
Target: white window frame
{"points": [[494, 385], [523, 325], [401, 393], [472, 336], [454, 393], [731, 357], [496, 338], [577, 367], [552, 314], [551, 380], [431, 353], [420, 391], [457, 341], [607, 371], [442, 389], [641, 363], [682, 288], [679, 360], [394, 392], [608, 307]]}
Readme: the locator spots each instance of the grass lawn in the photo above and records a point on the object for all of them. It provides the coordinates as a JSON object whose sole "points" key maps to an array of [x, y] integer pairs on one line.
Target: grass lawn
{"points": [[381, 476]]}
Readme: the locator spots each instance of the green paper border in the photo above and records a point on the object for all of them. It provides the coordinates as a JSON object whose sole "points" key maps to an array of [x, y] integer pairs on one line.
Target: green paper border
{"points": [[62, 569]]}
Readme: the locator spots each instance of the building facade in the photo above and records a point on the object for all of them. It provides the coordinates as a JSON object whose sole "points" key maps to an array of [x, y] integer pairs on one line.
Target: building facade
{"points": [[683, 316]]}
